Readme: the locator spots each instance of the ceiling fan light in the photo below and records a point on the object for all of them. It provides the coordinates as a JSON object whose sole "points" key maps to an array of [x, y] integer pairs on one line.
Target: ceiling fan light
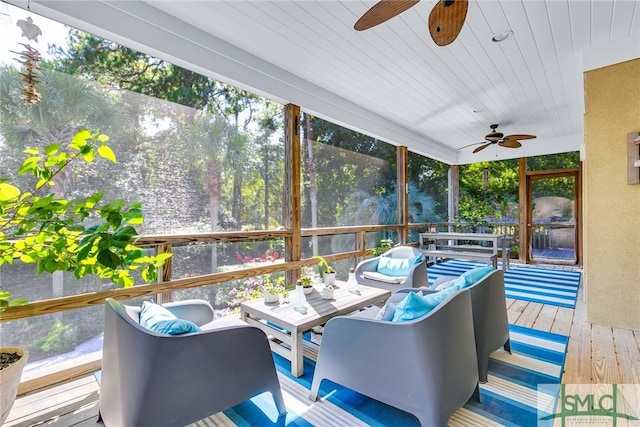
{"points": [[500, 37]]}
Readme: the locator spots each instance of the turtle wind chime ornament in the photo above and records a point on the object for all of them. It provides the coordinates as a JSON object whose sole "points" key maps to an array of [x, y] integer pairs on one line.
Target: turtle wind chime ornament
{"points": [[29, 58]]}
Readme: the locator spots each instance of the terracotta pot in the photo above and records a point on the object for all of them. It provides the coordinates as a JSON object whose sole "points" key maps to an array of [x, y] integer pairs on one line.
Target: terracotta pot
{"points": [[10, 379]]}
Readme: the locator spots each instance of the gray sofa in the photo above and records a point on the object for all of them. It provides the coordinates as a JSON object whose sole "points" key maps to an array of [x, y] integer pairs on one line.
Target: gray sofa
{"points": [[416, 278], [426, 366], [151, 379]]}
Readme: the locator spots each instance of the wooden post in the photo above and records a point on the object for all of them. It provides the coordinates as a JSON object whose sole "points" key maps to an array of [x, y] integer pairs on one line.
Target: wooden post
{"points": [[454, 193], [164, 273], [291, 220], [523, 215], [403, 194]]}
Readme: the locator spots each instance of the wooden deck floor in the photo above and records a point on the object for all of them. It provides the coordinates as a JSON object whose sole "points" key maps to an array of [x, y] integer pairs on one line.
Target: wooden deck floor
{"points": [[596, 354]]}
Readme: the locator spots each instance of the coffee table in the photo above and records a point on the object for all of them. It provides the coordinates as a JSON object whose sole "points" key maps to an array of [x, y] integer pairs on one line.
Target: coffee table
{"points": [[284, 325]]}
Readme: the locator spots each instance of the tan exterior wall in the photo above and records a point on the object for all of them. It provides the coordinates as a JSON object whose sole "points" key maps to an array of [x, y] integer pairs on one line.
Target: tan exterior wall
{"points": [[611, 206]]}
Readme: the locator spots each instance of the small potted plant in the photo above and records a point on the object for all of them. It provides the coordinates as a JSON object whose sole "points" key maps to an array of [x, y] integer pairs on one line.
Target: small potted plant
{"points": [[307, 284], [271, 291], [327, 273], [327, 292]]}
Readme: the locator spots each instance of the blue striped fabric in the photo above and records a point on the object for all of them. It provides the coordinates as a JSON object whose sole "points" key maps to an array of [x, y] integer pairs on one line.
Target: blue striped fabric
{"points": [[508, 398], [536, 284]]}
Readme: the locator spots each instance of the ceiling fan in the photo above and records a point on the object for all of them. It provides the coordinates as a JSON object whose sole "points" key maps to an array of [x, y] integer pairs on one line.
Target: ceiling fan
{"points": [[445, 20], [495, 137]]}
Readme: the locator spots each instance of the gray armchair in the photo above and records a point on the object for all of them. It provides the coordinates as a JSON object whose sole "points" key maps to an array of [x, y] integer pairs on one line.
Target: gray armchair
{"points": [[416, 278], [426, 366], [151, 379], [490, 320]]}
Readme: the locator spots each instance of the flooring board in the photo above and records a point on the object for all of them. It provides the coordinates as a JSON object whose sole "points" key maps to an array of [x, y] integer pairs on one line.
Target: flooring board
{"points": [[604, 366], [529, 315], [628, 356]]}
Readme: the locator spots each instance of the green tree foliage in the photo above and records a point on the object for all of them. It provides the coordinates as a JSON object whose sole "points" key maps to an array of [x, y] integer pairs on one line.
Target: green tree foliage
{"points": [[84, 236], [563, 187], [116, 66], [499, 198], [107, 62]]}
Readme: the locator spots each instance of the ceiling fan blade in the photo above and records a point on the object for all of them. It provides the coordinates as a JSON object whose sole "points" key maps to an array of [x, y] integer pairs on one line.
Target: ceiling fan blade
{"points": [[471, 145], [381, 12], [482, 147], [446, 20], [511, 143], [511, 137]]}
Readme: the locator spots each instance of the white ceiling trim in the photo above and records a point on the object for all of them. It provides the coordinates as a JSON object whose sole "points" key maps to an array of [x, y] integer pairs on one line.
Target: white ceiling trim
{"points": [[140, 26]]}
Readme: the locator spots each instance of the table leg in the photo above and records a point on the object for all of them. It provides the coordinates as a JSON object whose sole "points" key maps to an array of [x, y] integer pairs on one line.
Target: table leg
{"points": [[297, 366]]}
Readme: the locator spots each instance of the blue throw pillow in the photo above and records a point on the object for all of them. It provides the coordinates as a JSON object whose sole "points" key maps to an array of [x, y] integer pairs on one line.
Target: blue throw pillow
{"points": [[158, 319], [397, 266], [474, 275], [414, 305]]}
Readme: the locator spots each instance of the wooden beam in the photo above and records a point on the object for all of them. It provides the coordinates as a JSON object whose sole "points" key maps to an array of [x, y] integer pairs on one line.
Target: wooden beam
{"points": [[72, 302], [454, 192], [523, 215], [578, 216], [551, 173], [164, 273], [292, 200], [402, 194]]}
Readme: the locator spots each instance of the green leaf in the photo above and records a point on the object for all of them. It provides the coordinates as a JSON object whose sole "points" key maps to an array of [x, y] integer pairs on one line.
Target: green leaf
{"points": [[83, 253], [115, 219], [31, 151], [107, 153], [26, 259], [103, 138], [125, 233], [80, 139], [133, 216], [88, 155], [8, 192], [149, 274], [108, 259], [52, 149]]}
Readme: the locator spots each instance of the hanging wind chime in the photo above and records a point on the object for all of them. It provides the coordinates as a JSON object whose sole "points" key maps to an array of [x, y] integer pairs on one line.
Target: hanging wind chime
{"points": [[29, 58]]}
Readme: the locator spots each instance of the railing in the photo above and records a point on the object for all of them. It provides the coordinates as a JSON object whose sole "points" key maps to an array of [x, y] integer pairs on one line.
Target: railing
{"points": [[166, 284]]}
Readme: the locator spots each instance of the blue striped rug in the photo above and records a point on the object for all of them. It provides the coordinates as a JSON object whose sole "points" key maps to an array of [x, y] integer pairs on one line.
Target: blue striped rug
{"points": [[536, 284], [508, 398]]}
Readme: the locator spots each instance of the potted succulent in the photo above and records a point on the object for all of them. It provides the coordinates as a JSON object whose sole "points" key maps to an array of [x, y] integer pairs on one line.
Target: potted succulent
{"points": [[328, 292], [40, 228], [271, 290], [307, 284], [327, 273]]}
